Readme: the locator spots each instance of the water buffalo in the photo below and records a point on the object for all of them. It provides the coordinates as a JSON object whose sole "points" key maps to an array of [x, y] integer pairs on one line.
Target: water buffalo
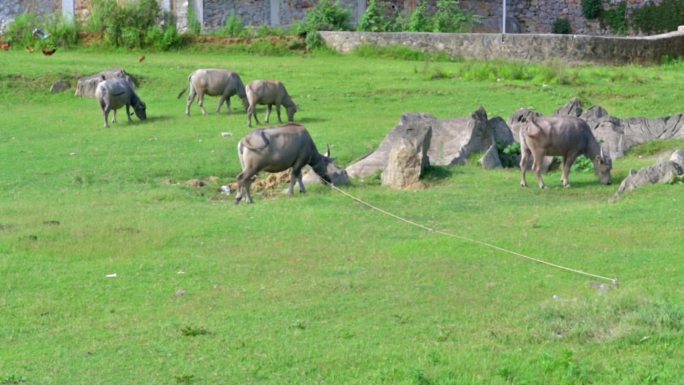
{"points": [[269, 92], [113, 94], [566, 136], [276, 149], [214, 82]]}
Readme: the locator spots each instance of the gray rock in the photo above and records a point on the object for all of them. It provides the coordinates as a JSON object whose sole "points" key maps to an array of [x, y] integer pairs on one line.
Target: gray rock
{"points": [[85, 87], [60, 86], [502, 133], [664, 172], [573, 108], [491, 158], [452, 141], [678, 157], [408, 158], [338, 176]]}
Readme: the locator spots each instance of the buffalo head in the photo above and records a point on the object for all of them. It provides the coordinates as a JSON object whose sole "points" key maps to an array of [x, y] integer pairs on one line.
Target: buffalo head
{"points": [[603, 164]]}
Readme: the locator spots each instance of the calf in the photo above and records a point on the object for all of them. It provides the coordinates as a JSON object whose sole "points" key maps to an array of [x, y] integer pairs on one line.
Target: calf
{"points": [[276, 149], [565, 136], [269, 92], [115, 93]]}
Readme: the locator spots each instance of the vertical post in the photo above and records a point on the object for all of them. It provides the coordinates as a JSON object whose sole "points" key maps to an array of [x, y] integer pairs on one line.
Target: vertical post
{"points": [[360, 9], [68, 10], [199, 12], [166, 6], [503, 19], [275, 13]]}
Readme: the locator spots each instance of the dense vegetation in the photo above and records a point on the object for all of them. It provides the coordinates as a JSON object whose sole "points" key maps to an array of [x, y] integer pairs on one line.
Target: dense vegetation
{"points": [[316, 288]]}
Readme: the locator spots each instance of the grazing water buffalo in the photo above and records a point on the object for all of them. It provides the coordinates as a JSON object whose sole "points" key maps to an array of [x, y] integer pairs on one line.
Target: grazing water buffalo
{"points": [[115, 93], [566, 136], [276, 149], [269, 92], [214, 82]]}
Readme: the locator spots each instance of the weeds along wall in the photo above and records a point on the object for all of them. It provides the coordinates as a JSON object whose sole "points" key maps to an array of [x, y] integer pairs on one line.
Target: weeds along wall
{"points": [[533, 48]]}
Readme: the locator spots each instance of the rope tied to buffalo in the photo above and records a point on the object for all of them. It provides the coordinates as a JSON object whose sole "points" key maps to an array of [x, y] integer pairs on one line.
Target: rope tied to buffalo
{"points": [[613, 281]]}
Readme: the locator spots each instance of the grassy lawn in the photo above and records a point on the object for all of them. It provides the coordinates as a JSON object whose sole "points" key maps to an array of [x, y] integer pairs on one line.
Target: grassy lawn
{"points": [[317, 289]]}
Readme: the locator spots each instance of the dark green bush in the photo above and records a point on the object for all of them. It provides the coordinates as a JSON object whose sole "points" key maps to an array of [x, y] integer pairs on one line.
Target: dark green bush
{"points": [[562, 26], [19, 32], [234, 27], [591, 9], [449, 17], [419, 21], [615, 19], [133, 25], [326, 16], [653, 19], [373, 20]]}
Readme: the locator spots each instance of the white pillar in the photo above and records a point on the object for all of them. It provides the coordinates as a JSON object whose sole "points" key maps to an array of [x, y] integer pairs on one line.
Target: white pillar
{"points": [[360, 9], [275, 13], [165, 5], [68, 10]]}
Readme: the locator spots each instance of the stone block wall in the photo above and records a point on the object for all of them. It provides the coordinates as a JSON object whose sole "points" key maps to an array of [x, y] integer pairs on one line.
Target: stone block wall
{"points": [[573, 49]]}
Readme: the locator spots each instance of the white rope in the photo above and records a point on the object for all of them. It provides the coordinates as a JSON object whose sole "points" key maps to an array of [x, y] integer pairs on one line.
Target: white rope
{"points": [[614, 281]]}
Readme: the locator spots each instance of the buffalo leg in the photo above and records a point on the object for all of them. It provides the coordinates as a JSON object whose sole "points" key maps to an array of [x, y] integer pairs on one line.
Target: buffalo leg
{"points": [[244, 180], [221, 100], [268, 113], [113, 118], [567, 163], [251, 111], [537, 167], [278, 112], [128, 113], [524, 160], [191, 98], [200, 101]]}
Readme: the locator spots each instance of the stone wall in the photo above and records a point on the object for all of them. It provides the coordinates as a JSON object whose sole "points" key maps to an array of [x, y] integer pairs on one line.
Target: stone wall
{"points": [[573, 49]]}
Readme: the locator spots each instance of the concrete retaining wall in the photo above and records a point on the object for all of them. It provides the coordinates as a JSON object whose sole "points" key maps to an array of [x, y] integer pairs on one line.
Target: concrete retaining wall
{"points": [[573, 49]]}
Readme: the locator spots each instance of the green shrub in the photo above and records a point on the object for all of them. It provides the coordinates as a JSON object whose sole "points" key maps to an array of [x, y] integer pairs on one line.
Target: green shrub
{"points": [[419, 21], [449, 17], [62, 33], [562, 26], [234, 26], [582, 164], [19, 32], [653, 19], [615, 19], [133, 25], [326, 16], [508, 154], [373, 19], [591, 9]]}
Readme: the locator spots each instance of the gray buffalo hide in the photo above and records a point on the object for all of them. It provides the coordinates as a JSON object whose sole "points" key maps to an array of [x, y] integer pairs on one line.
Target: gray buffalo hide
{"points": [[86, 86]]}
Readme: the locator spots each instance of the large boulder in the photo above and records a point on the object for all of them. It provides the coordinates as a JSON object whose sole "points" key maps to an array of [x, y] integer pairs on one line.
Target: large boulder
{"points": [[338, 176], [663, 172], [408, 158], [85, 87], [452, 141], [491, 158]]}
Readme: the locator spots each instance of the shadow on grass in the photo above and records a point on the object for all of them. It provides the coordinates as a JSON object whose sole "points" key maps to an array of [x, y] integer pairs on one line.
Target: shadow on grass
{"points": [[438, 173]]}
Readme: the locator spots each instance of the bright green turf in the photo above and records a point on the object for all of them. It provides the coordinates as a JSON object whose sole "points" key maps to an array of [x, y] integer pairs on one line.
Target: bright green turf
{"points": [[317, 289]]}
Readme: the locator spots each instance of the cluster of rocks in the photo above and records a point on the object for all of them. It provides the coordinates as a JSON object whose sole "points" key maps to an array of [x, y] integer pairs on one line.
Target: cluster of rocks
{"points": [[420, 140], [86, 86]]}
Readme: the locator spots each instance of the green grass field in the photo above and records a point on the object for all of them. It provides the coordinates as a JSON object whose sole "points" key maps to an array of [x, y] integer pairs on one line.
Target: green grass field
{"points": [[318, 289]]}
